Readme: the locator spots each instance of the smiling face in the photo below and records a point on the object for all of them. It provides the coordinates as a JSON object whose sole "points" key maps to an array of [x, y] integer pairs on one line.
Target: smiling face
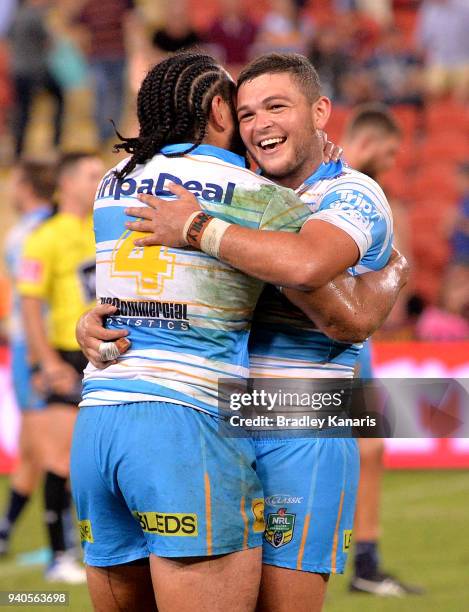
{"points": [[279, 124]]}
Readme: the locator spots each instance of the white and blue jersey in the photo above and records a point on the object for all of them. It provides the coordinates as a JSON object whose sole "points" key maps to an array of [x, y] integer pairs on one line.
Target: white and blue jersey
{"points": [[310, 485], [284, 342], [188, 314], [26, 397]]}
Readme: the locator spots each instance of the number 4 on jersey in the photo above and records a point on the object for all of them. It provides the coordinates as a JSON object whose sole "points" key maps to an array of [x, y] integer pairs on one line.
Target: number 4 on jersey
{"points": [[150, 266]]}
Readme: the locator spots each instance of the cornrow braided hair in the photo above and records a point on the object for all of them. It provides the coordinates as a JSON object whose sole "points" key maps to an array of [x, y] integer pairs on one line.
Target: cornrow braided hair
{"points": [[173, 106]]}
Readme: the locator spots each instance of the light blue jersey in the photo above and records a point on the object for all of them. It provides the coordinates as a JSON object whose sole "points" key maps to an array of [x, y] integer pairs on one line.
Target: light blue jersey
{"points": [[144, 468], [310, 485], [284, 342], [188, 314]]}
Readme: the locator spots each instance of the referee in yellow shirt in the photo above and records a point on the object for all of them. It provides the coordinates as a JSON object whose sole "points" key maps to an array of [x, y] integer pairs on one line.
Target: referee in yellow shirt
{"points": [[57, 284]]}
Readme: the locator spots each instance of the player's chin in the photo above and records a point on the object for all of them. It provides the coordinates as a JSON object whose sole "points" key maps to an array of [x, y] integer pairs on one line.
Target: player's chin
{"points": [[278, 167]]}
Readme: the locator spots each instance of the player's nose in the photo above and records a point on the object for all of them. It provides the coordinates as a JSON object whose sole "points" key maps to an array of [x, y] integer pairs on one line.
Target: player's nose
{"points": [[262, 122]]}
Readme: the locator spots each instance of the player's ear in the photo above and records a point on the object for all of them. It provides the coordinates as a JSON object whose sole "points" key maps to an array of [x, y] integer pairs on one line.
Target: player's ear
{"points": [[321, 111], [219, 113]]}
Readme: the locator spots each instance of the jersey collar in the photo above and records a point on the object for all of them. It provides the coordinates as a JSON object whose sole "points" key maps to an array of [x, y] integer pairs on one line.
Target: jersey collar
{"points": [[325, 171], [205, 149]]}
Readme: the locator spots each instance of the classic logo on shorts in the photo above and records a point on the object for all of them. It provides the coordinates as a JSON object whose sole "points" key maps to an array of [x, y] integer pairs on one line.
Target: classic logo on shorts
{"points": [[86, 535], [279, 528], [282, 499], [347, 540], [167, 524]]}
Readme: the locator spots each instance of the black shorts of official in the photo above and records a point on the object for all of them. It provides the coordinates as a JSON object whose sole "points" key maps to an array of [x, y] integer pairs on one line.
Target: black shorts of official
{"points": [[79, 362]]}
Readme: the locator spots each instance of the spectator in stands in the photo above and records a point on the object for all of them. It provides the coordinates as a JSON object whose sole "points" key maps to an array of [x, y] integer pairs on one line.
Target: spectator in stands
{"points": [[177, 32], [284, 30], [232, 34], [330, 60], [31, 43], [105, 23], [460, 235], [442, 34], [395, 71]]}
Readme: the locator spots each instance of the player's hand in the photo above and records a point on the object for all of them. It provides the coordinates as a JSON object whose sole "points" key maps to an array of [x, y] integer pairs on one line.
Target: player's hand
{"points": [[59, 376], [91, 333], [163, 220], [331, 151]]}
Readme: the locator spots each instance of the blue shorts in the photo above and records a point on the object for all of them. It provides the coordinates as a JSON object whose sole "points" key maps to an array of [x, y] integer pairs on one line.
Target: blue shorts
{"points": [[160, 478], [26, 397], [310, 488]]}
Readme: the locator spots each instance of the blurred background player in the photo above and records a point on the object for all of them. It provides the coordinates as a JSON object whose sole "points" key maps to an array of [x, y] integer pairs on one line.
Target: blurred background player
{"points": [[32, 187], [58, 271], [371, 143]]}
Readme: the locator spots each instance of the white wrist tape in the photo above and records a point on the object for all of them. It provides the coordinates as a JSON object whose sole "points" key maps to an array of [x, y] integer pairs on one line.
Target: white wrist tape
{"points": [[187, 224], [212, 237], [108, 351]]}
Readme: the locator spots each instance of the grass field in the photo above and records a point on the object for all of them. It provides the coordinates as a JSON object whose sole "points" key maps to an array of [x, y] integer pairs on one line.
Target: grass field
{"points": [[425, 523]]}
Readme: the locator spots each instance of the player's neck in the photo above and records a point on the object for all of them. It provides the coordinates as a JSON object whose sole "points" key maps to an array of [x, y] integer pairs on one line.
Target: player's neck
{"points": [[216, 138], [296, 178]]}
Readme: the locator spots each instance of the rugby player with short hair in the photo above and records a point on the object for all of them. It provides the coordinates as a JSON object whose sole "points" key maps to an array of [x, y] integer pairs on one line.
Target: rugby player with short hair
{"points": [[32, 187], [56, 285], [293, 266]]}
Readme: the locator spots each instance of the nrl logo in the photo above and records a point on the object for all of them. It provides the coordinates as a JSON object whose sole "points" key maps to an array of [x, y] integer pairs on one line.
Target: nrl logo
{"points": [[279, 528]]}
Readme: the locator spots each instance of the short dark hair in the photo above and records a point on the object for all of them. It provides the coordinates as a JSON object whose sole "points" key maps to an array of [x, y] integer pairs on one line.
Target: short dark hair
{"points": [[173, 106], [295, 64], [68, 160], [40, 175], [376, 116]]}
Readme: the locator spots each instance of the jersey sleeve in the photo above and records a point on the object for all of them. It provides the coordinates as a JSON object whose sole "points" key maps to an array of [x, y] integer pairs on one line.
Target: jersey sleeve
{"points": [[284, 212], [35, 267], [361, 210]]}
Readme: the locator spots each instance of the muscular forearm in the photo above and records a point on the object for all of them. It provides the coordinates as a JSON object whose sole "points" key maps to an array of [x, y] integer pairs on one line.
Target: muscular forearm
{"points": [[278, 258], [304, 261], [350, 309]]}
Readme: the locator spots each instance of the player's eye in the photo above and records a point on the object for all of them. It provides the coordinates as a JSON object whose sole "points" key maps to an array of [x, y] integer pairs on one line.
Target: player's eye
{"points": [[245, 116]]}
